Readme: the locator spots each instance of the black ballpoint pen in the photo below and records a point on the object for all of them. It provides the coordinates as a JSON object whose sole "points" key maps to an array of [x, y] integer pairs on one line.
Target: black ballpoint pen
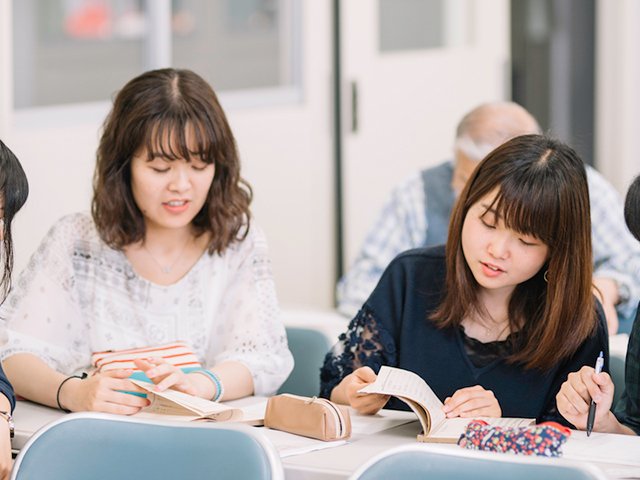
{"points": [[592, 406]]}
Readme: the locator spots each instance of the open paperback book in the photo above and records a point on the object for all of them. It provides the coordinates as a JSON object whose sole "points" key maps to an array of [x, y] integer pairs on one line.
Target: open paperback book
{"points": [[414, 391], [174, 405]]}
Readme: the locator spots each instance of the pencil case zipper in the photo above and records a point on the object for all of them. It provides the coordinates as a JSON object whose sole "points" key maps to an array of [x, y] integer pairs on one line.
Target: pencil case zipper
{"points": [[337, 415], [335, 411]]}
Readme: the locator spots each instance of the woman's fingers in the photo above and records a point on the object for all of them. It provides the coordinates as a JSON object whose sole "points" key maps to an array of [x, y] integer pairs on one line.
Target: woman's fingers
{"points": [[177, 380], [165, 375], [106, 392], [367, 403], [472, 401], [118, 380], [575, 395], [154, 367]]}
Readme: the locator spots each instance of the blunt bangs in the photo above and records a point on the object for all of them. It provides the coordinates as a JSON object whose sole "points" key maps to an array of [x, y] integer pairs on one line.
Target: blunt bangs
{"points": [[167, 137], [531, 192], [528, 206]]}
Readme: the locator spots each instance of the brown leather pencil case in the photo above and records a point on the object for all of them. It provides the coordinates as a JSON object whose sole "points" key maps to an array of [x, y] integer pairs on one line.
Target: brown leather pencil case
{"points": [[310, 417]]}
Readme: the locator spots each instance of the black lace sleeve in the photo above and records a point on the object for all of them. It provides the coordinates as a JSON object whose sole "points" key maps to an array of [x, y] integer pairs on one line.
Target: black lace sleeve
{"points": [[366, 343]]}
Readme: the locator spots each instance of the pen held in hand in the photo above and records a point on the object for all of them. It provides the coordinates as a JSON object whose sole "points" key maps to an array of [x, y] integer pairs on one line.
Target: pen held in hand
{"points": [[592, 407]]}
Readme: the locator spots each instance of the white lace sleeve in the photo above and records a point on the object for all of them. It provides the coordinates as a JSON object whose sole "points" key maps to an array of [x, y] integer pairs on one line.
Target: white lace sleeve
{"points": [[250, 330], [41, 314]]}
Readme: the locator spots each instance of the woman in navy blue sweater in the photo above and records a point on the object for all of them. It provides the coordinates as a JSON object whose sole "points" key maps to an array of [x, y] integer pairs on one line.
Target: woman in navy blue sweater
{"points": [[496, 319], [13, 193]]}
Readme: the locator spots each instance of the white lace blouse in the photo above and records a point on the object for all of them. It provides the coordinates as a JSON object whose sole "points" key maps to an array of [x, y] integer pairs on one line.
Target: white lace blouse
{"points": [[78, 296]]}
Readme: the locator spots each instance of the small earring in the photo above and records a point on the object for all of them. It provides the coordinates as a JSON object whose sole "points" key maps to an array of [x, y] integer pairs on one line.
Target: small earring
{"points": [[545, 276]]}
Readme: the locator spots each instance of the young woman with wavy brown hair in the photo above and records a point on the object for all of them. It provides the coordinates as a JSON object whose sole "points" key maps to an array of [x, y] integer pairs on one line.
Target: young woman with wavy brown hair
{"points": [[496, 319], [169, 253]]}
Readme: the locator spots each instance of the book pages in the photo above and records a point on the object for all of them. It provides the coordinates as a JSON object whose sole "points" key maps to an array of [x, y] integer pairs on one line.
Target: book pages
{"points": [[414, 391], [174, 403], [407, 385]]}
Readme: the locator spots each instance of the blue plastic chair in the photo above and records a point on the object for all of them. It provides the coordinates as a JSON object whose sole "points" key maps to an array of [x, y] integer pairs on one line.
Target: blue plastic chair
{"points": [[100, 446], [616, 369], [435, 462], [308, 348]]}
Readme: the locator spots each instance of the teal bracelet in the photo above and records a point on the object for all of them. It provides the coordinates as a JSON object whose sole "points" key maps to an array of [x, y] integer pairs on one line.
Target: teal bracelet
{"points": [[214, 378]]}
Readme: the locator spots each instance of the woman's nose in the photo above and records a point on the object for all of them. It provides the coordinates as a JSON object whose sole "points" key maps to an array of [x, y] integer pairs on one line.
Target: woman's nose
{"points": [[499, 246], [180, 181]]}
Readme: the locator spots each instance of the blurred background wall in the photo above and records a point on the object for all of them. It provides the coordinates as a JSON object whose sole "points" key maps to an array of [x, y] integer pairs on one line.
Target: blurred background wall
{"points": [[331, 102]]}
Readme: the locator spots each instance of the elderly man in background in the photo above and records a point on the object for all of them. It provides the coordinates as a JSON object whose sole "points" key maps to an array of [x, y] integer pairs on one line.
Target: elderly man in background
{"points": [[417, 212]]}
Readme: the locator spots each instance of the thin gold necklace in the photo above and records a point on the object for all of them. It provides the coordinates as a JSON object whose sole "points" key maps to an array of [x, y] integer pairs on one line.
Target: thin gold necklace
{"points": [[482, 324], [167, 269]]}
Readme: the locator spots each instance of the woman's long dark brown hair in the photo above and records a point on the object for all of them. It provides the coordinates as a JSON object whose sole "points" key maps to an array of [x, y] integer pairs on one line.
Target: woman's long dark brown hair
{"points": [[154, 111], [541, 191], [632, 208], [15, 189]]}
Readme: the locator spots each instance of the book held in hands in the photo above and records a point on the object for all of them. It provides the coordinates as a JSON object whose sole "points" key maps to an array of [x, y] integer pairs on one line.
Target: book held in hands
{"points": [[414, 391], [174, 405]]}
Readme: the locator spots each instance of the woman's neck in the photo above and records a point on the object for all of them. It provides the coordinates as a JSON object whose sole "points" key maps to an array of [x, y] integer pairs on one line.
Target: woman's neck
{"points": [[493, 323], [495, 303], [167, 240], [166, 255]]}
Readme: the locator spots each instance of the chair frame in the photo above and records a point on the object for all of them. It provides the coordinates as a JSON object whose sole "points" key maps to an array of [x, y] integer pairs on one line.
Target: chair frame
{"points": [[271, 453], [493, 457]]}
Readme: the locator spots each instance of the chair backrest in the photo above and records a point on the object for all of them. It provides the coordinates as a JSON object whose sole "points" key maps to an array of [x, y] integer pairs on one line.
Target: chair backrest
{"points": [[435, 462], [308, 348], [102, 446], [616, 368]]}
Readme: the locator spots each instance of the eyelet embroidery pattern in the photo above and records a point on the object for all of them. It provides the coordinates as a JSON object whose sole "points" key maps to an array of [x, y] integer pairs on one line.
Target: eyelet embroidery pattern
{"points": [[78, 296]]}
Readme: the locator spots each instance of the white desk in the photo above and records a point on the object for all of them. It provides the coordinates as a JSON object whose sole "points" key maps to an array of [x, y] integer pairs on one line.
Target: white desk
{"points": [[336, 463], [340, 462]]}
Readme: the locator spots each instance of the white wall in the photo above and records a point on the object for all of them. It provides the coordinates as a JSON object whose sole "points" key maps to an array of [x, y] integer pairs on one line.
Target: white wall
{"points": [[286, 152], [618, 91], [410, 102], [6, 86]]}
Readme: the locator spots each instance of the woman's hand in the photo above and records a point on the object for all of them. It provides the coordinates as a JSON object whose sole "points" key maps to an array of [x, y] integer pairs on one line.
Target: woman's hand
{"points": [[575, 396], [5, 451], [165, 375], [367, 403], [472, 402], [104, 392]]}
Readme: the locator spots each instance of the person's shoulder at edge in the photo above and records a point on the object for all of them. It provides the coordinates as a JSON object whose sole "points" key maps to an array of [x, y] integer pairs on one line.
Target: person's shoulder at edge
{"points": [[415, 178], [602, 193], [79, 224], [250, 236], [594, 174], [415, 266], [419, 271], [436, 252]]}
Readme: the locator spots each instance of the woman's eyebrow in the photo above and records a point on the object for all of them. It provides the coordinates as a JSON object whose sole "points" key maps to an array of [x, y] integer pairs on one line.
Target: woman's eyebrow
{"points": [[169, 156], [491, 209], [158, 155]]}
